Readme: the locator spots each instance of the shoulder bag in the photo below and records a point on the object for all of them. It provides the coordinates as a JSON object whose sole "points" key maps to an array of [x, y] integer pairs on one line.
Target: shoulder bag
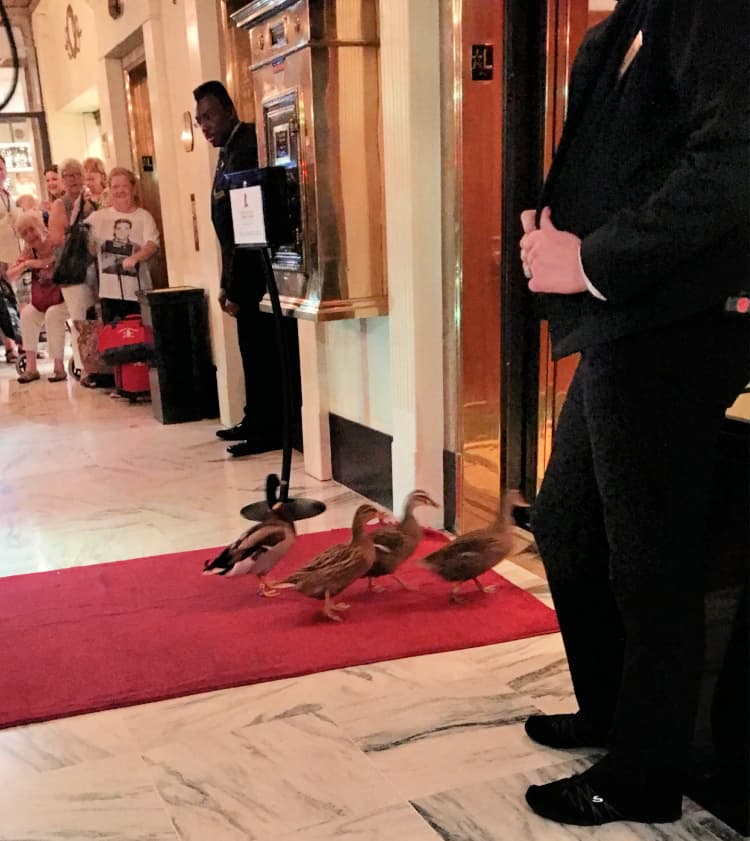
{"points": [[74, 258]]}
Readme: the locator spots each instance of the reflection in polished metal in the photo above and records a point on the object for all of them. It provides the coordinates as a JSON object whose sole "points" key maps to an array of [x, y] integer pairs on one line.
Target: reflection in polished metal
{"points": [[186, 136], [316, 86]]}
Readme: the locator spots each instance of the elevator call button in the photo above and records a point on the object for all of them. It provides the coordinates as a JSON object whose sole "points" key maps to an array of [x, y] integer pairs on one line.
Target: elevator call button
{"points": [[482, 62]]}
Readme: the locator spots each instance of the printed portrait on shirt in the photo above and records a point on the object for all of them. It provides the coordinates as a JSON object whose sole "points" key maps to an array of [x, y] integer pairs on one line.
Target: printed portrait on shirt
{"points": [[116, 249]]}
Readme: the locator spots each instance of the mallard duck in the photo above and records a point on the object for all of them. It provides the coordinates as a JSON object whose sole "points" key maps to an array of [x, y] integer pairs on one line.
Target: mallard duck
{"points": [[394, 543], [334, 569], [261, 547], [476, 552]]}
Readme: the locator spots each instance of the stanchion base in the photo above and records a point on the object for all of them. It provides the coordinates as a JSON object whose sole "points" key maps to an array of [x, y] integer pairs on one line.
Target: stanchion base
{"points": [[299, 509]]}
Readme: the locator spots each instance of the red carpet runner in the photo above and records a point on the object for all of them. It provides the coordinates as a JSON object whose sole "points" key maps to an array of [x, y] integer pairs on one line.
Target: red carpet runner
{"points": [[95, 637]]}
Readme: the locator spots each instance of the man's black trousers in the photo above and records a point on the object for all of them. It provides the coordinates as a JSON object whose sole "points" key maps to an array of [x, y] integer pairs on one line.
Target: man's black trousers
{"points": [[620, 524]]}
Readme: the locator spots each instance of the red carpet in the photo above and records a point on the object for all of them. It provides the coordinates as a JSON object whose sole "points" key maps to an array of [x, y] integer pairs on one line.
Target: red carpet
{"points": [[92, 638]]}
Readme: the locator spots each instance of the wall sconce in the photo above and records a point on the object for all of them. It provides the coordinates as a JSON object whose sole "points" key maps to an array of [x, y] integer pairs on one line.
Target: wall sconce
{"points": [[186, 135]]}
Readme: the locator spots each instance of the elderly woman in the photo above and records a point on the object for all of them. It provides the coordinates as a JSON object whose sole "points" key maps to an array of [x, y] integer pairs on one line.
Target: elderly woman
{"points": [[125, 237], [9, 249], [95, 180], [72, 206], [47, 306]]}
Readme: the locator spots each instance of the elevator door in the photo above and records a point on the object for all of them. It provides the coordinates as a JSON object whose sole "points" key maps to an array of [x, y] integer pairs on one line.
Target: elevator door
{"points": [[481, 106], [144, 160]]}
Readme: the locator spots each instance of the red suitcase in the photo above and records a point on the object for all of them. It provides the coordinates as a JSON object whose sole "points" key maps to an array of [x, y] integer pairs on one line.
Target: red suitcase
{"points": [[131, 380], [128, 344]]}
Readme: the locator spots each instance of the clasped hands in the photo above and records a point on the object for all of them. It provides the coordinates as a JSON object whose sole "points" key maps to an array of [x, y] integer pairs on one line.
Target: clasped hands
{"points": [[550, 257], [227, 306]]}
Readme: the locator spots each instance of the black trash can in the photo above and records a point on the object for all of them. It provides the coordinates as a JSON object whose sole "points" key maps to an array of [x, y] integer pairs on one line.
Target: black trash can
{"points": [[182, 376]]}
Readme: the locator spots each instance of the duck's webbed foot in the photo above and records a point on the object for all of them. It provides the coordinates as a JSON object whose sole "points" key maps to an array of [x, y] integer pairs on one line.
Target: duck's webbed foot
{"points": [[330, 608], [265, 589], [485, 588]]}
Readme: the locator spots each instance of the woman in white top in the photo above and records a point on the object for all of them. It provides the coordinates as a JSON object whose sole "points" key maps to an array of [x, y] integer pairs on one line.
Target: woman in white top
{"points": [[68, 208], [9, 248], [126, 237]]}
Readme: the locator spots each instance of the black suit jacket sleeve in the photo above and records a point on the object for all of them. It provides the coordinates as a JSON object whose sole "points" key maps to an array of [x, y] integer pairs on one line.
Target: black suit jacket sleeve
{"points": [[685, 202]]}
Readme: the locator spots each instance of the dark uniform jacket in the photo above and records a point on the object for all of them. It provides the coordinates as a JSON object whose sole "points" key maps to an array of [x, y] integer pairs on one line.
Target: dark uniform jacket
{"points": [[241, 274], [653, 169]]}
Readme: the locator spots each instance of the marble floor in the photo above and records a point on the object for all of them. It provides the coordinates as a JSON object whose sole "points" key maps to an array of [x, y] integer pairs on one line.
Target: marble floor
{"points": [[419, 749]]}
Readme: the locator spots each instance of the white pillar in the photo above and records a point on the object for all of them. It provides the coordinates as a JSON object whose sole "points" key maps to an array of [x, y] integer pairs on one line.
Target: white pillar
{"points": [[410, 82], [316, 433]]}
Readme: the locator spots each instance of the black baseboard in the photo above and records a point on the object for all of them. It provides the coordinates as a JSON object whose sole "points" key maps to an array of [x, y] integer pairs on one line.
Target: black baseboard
{"points": [[361, 459], [450, 469]]}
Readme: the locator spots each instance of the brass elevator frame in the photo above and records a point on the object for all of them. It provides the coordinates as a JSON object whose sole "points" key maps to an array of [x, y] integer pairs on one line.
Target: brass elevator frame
{"points": [[473, 281]]}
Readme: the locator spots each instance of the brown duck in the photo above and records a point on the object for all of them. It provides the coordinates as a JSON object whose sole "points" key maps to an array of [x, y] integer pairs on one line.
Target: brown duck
{"points": [[395, 543], [261, 547], [334, 569], [476, 552]]}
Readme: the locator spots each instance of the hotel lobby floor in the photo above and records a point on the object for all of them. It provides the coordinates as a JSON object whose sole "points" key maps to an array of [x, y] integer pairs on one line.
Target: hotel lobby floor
{"points": [[418, 749]]}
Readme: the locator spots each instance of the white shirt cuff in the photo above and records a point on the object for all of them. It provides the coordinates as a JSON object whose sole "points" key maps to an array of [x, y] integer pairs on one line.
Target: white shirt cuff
{"points": [[589, 285]]}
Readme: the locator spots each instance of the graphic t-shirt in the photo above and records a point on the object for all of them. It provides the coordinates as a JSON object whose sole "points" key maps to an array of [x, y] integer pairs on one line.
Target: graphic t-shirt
{"points": [[119, 235]]}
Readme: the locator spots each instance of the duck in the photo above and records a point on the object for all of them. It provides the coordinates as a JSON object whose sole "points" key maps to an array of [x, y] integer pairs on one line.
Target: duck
{"points": [[258, 550], [395, 543], [338, 566], [477, 551]]}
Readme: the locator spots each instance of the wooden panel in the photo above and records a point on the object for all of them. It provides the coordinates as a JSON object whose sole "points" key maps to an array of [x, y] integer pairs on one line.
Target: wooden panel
{"points": [[142, 138]]}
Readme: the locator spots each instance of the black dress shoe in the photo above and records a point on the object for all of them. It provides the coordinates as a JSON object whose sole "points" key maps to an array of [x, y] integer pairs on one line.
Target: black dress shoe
{"points": [[564, 731], [238, 432], [579, 800], [254, 446]]}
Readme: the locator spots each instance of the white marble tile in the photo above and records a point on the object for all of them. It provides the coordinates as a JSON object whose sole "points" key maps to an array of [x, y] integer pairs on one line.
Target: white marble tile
{"points": [[140, 487], [526, 580], [264, 780], [108, 800], [536, 667], [438, 738], [62, 743], [496, 809], [395, 823], [332, 696]]}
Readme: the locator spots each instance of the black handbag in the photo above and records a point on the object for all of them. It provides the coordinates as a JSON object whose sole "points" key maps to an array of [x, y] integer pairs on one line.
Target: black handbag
{"points": [[74, 258]]}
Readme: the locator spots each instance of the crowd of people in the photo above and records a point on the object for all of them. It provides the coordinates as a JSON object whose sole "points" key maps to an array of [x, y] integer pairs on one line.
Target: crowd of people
{"points": [[35, 295]]}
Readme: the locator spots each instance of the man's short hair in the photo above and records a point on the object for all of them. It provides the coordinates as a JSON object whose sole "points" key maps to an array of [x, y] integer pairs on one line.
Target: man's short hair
{"points": [[215, 89]]}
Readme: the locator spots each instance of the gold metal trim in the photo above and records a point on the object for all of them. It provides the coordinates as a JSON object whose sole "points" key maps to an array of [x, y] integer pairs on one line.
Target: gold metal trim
{"points": [[131, 118], [458, 237]]}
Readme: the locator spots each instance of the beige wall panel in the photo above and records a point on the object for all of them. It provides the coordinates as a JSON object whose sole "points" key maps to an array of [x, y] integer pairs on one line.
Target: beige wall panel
{"points": [[65, 80], [112, 32]]}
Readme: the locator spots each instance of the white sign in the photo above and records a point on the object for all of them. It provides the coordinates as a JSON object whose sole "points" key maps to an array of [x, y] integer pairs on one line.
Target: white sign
{"points": [[247, 216]]}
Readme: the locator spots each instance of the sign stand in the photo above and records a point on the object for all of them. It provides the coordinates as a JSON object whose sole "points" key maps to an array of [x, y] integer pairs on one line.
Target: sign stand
{"points": [[260, 214]]}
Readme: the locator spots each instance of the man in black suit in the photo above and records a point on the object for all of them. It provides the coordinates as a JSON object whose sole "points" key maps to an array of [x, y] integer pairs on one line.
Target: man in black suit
{"points": [[640, 239], [242, 283]]}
